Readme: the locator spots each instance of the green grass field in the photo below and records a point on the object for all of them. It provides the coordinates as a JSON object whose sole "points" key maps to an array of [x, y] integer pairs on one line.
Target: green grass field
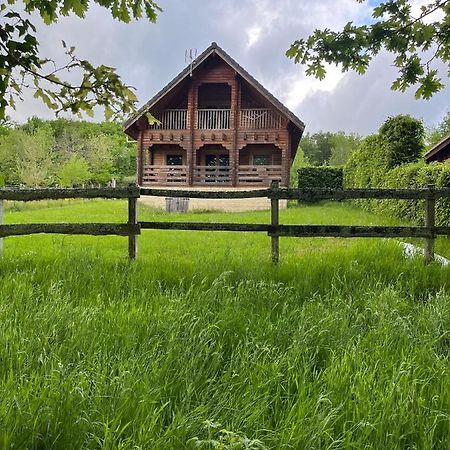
{"points": [[202, 343]]}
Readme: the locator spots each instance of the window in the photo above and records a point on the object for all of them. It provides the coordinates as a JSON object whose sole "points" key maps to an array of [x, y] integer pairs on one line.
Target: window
{"points": [[174, 160], [262, 160]]}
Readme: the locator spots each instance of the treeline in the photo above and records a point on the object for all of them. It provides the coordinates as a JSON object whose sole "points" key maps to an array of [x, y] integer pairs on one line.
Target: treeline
{"points": [[335, 149], [328, 149], [65, 153]]}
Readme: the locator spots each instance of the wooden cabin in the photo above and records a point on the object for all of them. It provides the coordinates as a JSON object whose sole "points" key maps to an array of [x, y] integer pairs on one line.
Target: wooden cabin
{"points": [[217, 127], [440, 152]]}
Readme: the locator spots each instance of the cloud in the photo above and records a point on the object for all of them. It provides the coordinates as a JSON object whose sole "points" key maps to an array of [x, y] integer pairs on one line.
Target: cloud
{"points": [[256, 33]]}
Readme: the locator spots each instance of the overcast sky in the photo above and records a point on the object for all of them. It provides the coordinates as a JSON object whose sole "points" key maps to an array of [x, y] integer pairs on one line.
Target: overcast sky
{"points": [[256, 33]]}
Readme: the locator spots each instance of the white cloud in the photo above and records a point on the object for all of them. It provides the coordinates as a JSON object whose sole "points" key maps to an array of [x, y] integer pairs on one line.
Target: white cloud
{"points": [[256, 33]]}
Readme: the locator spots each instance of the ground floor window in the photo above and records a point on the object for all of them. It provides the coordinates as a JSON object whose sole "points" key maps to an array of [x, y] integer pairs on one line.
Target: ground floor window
{"points": [[174, 160]]}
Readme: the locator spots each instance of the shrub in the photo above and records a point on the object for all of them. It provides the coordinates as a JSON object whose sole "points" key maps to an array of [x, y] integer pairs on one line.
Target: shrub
{"points": [[320, 177], [402, 139]]}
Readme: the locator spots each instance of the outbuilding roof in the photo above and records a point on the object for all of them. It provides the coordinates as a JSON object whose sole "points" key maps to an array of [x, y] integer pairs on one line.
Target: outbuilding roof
{"points": [[442, 147]]}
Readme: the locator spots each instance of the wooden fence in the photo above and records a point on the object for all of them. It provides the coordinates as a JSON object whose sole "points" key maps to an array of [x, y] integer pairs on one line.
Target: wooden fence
{"points": [[274, 229]]}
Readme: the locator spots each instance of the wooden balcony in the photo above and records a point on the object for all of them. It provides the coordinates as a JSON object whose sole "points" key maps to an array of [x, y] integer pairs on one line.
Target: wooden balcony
{"points": [[259, 175], [171, 119], [213, 119], [218, 119], [165, 175], [259, 118], [211, 175]]}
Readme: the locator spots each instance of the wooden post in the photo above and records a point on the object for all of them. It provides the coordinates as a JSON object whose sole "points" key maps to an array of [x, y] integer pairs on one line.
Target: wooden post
{"points": [[132, 219], [275, 220], [430, 215], [1, 221]]}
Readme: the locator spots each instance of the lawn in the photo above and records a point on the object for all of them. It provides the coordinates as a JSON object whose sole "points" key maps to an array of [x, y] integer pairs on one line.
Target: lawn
{"points": [[202, 342]]}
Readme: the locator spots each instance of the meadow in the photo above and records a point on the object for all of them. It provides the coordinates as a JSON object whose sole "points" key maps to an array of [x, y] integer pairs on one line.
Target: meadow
{"points": [[202, 343]]}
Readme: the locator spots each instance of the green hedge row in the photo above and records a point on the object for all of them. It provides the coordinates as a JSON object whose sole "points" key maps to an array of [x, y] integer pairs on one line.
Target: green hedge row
{"points": [[414, 175], [320, 177]]}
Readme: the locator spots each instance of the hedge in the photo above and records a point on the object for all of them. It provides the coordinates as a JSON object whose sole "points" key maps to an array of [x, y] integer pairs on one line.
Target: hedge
{"points": [[320, 177], [411, 176]]}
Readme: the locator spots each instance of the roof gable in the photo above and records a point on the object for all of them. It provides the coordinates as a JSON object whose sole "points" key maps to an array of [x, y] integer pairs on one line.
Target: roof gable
{"points": [[215, 49]]}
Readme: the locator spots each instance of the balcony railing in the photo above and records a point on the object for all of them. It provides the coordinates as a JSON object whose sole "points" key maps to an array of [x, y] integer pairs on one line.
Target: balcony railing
{"points": [[259, 175], [164, 175], [212, 175], [213, 119], [218, 119], [171, 119], [260, 118]]}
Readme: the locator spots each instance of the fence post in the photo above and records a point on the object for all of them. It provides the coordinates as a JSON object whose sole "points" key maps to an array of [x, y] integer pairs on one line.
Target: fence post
{"points": [[132, 220], [1, 221], [275, 220], [430, 214]]}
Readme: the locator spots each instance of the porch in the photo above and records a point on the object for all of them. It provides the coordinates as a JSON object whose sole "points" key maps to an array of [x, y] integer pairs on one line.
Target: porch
{"points": [[168, 175], [213, 165]]}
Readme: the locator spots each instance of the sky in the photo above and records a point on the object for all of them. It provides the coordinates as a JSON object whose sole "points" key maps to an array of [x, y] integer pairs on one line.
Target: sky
{"points": [[256, 33]]}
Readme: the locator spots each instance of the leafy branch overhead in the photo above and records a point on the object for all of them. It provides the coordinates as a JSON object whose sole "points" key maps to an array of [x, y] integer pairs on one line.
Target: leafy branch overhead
{"points": [[417, 41], [22, 66]]}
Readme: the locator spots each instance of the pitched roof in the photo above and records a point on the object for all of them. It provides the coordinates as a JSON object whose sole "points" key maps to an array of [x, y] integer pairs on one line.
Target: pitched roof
{"points": [[215, 49], [440, 146]]}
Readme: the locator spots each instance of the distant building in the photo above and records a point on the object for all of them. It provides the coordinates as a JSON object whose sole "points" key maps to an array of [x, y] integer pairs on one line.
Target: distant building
{"points": [[440, 152], [218, 126]]}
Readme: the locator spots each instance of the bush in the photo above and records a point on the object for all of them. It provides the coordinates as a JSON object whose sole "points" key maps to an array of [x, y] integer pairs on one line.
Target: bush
{"points": [[320, 177], [402, 139], [2, 181]]}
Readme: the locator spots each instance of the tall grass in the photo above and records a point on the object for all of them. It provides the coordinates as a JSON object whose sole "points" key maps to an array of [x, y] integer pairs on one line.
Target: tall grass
{"points": [[345, 345]]}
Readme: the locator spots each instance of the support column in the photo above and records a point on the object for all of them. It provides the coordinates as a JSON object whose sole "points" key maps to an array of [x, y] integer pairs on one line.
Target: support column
{"points": [[140, 158], [285, 166], [190, 156], [234, 114]]}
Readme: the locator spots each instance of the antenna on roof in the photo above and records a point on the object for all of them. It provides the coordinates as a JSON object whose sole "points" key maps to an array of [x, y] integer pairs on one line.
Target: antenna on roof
{"points": [[189, 57]]}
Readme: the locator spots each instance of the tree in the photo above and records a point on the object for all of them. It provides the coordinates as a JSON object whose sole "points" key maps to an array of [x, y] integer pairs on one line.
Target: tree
{"points": [[22, 66], [317, 147], [402, 139], [415, 42], [439, 132], [342, 147], [74, 172], [27, 157]]}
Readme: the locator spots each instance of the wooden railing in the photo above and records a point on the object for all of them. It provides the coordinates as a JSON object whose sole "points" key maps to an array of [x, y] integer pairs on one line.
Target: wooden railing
{"points": [[275, 230], [213, 119], [164, 175], [171, 119], [259, 175], [212, 175], [260, 118]]}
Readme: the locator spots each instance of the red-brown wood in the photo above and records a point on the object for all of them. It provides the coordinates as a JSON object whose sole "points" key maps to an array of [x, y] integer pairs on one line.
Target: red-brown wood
{"points": [[240, 132]]}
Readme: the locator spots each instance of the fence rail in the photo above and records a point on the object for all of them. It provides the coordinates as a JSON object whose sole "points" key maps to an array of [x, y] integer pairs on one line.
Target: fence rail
{"points": [[274, 229]]}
